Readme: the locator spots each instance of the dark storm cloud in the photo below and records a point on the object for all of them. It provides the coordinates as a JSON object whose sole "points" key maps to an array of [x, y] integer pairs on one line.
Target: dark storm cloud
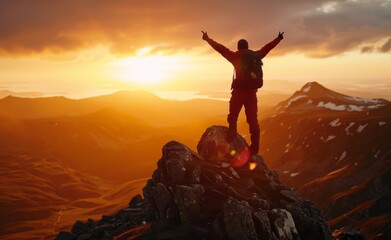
{"points": [[314, 27]]}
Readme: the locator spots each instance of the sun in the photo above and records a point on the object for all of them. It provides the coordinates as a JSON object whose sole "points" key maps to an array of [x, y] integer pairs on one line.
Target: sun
{"points": [[144, 69]]}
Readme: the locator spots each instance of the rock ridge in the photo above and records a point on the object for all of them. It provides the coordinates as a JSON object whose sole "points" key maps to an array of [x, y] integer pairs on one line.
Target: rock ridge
{"points": [[221, 192]]}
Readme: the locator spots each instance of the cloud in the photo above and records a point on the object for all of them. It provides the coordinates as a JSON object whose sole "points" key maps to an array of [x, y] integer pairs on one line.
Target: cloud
{"points": [[313, 27], [386, 46]]}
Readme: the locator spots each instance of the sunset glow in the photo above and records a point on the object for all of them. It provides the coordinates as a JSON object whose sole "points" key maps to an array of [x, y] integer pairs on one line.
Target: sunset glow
{"points": [[99, 48], [143, 70]]}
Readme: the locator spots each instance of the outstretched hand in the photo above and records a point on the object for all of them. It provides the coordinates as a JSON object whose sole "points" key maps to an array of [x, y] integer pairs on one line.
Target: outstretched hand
{"points": [[205, 35], [281, 35]]}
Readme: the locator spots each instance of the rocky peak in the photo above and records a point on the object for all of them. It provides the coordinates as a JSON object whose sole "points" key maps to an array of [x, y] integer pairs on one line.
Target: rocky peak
{"points": [[208, 195], [315, 97]]}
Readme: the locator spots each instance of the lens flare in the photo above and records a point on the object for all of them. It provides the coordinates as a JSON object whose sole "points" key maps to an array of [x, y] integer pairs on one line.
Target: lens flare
{"points": [[241, 158], [252, 165]]}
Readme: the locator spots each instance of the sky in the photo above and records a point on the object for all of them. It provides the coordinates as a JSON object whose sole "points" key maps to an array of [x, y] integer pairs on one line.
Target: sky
{"points": [[89, 47]]}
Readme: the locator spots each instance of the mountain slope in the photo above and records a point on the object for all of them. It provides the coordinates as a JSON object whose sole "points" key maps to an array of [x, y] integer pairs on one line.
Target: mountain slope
{"points": [[40, 197], [336, 150], [146, 106], [85, 142]]}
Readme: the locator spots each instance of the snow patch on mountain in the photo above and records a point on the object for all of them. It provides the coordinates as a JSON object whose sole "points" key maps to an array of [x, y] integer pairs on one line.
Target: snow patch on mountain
{"points": [[335, 123], [342, 157], [342, 107], [332, 106], [376, 106], [381, 123], [329, 138], [363, 100], [361, 128], [307, 89], [294, 99], [348, 127], [294, 174], [352, 108]]}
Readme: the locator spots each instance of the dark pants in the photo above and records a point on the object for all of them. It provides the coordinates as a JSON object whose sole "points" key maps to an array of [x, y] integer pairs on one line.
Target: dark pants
{"points": [[248, 98]]}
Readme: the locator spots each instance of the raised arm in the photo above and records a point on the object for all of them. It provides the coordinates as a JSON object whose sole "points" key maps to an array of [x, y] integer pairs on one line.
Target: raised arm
{"points": [[224, 51], [268, 47]]}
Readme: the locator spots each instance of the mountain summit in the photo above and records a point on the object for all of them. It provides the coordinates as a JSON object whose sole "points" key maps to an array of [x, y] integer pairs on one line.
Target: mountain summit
{"points": [[313, 96], [335, 150], [203, 196]]}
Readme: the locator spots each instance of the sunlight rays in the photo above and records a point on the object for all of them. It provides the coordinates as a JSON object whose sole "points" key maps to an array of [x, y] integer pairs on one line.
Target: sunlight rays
{"points": [[145, 69]]}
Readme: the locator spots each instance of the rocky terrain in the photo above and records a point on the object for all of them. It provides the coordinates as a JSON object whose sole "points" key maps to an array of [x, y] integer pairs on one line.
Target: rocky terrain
{"points": [[335, 150], [203, 196]]}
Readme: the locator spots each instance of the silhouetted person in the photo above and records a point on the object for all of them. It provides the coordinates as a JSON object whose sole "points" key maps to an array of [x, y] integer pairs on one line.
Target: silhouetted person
{"points": [[247, 79]]}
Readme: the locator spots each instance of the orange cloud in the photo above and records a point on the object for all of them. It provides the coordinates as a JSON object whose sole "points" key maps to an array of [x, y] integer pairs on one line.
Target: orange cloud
{"points": [[316, 28]]}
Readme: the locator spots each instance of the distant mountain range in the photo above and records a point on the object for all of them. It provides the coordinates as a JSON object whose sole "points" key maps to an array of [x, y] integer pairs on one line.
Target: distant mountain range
{"points": [[336, 150], [143, 105], [39, 196], [125, 127], [5, 93]]}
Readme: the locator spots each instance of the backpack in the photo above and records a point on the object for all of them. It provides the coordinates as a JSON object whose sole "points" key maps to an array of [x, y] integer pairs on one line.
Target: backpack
{"points": [[249, 75]]}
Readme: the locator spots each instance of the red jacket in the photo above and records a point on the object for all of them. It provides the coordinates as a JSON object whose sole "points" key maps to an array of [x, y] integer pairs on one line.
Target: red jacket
{"points": [[235, 57]]}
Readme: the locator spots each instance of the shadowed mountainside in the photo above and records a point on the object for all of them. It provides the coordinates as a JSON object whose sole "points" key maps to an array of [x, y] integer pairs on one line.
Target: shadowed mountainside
{"points": [[335, 149], [40, 196]]}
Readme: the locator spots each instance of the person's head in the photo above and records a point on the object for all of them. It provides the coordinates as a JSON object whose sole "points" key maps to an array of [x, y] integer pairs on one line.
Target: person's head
{"points": [[242, 44]]}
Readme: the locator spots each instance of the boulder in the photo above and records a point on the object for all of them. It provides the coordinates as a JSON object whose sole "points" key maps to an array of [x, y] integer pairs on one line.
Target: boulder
{"points": [[228, 200], [283, 225], [216, 145], [208, 195], [238, 220]]}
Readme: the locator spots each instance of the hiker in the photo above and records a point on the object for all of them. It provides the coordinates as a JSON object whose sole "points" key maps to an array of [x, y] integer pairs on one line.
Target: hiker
{"points": [[248, 77]]}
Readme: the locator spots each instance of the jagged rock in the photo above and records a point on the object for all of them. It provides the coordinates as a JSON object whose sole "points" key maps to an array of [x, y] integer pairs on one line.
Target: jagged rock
{"points": [[238, 220], [251, 188], [78, 227], [215, 146], [262, 224], [218, 228], [283, 225], [84, 236], [66, 236], [259, 203], [209, 196], [127, 213], [188, 200], [292, 195], [309, 221], [136, 200], [163, 199], [195, 174], [173, 215]]}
